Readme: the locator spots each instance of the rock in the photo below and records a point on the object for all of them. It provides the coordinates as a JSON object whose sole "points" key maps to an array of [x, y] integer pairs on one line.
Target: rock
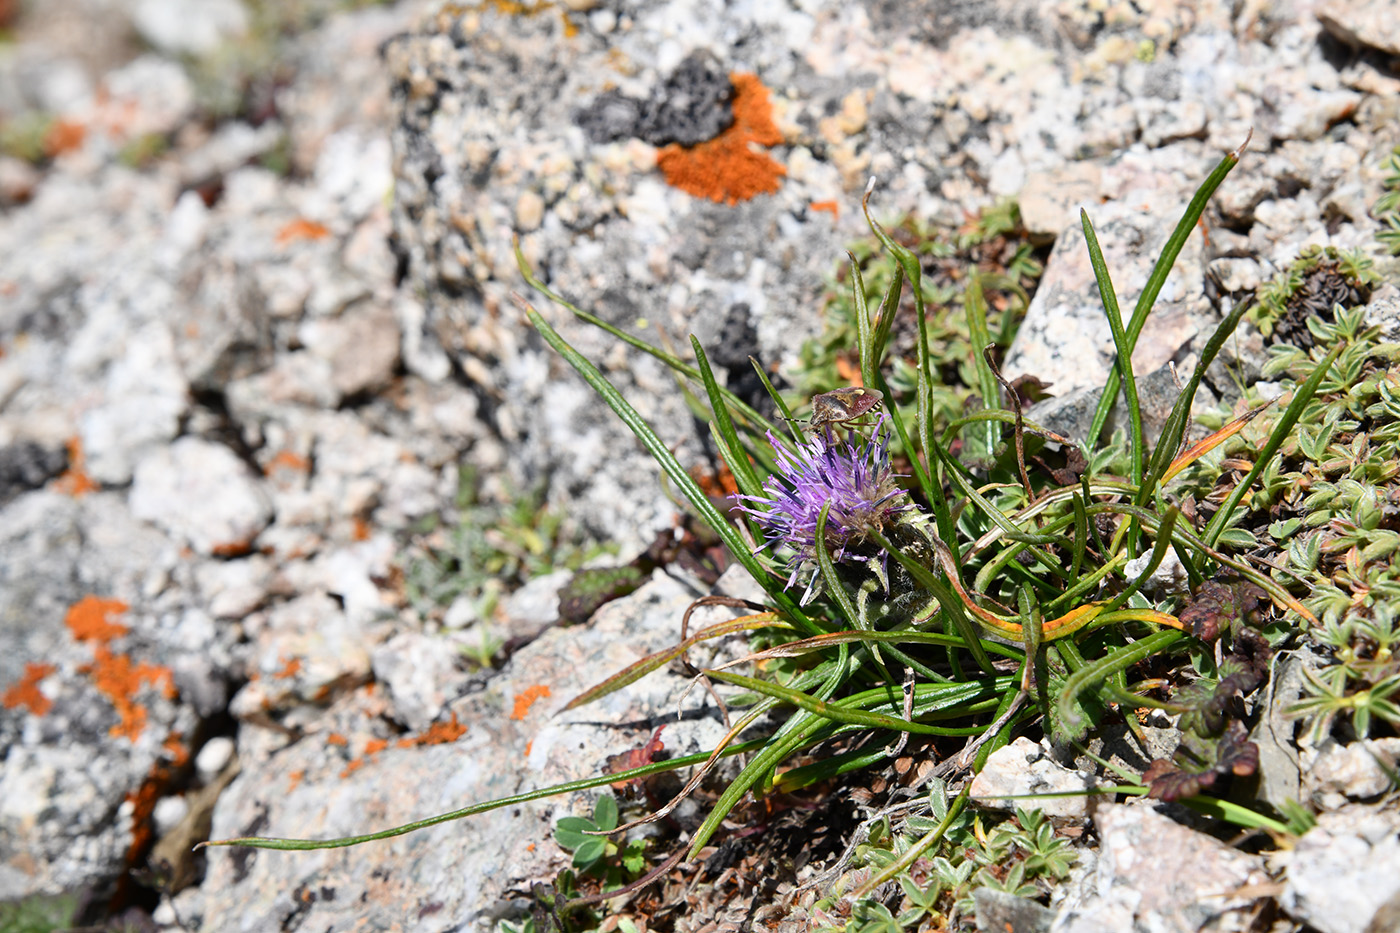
{"points": [[534, 607], [1065, 339], [1050, 201], [146, 397], [213, 757], [1155, 874], [1343, 876], [202, 493], [25, 466], [1361, 23], [1023, 768], [361, 347], [150, 96], [306, 650], [460, 873], [422, 672], [189, 27], [232, 589], [1333, 774], [998, 912]]}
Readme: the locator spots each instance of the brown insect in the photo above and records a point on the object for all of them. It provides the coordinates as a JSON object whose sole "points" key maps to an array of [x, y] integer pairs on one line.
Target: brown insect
{"points": [[843, 406]]}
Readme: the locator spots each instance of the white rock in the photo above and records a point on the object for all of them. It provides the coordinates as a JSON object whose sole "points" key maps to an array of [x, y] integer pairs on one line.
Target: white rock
{"points": [[1023, 768], [1335, 773], [214, 756], [1153, 874], [168, 812], [202, 493], [189, 27], [1344, 875]]}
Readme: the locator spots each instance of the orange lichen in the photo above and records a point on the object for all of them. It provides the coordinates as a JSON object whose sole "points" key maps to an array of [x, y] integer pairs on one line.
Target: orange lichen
{"points": [[831, 207], [26, 692], [178, 751], [63, 136], [143, 799], [288, 460], [294, 779], [335, 738], [143, 805], [74, 481], [290, 667], [728, 168], [301, 229], [526, 698], [120, 680], [116, 675], [88, 619], [372, 748], [439, 733], [360, 529]]}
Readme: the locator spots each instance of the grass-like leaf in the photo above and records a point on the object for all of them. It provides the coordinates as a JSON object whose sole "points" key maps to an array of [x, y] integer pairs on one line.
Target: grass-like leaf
{"points": [[1301, 397], [1158, 277], [672, 467]]}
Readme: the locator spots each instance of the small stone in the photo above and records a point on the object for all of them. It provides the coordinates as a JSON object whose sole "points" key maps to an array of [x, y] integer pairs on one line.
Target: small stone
{"points": [[232, 589], [168, 812], [189, 27], [214, 757], [361, 346], [200, 492], [1362, 23], [1155, 874], [1338, 773], [1023, 768], [1344, 875], [529, 210], [461, 614], [535, 606], [422, 674]]}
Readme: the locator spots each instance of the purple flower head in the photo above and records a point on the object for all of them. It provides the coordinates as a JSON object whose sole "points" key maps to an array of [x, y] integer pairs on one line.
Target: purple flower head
{"points": [[854, 476]]}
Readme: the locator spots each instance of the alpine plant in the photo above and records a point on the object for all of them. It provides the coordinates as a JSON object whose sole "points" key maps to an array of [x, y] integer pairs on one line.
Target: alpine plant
{"points": [[855, 477]]}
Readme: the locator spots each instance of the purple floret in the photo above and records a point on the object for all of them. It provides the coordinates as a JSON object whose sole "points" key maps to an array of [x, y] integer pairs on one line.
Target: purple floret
{"points": [[855, 478]]}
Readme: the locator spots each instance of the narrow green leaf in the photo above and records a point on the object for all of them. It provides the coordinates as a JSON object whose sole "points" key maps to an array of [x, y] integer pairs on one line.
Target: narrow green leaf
{"points": [[1301, 397], [739, 463], [588, 783], [1158, 277], [783, 410], [988, 388], [1169, 440], [884, 316], [865, 338], [1124, 349], [1097, 672], [673, 469], [675, 363], [951, 605], [833, 712]]}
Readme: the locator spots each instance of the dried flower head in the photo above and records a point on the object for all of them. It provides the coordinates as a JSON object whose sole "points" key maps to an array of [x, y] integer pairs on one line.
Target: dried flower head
{"points": [[854, 476]]}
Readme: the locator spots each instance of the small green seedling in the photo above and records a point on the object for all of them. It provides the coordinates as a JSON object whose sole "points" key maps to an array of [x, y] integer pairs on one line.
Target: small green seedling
{"points": [[597, 855]]}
